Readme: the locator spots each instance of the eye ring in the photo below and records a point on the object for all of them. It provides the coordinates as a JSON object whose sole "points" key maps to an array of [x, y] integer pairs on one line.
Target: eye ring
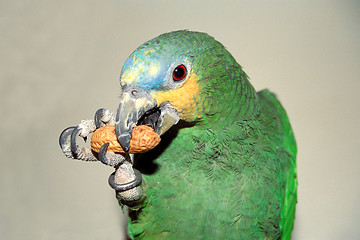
{"points": [[179, 73]]}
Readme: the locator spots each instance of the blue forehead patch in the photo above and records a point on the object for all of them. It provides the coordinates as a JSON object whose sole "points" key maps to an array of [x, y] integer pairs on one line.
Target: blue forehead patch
{"points": [[145, 68]]}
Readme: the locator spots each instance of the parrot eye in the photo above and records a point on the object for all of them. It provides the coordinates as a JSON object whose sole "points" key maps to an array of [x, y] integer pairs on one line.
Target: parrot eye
{"points": [[179, 73]]}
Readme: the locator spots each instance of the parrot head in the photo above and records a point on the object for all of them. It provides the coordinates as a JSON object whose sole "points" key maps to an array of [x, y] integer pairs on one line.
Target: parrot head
{"points": [[180, 75]]}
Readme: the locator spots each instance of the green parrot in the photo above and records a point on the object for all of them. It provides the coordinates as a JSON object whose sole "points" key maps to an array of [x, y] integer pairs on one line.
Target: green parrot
{"points": [[226, 164]]}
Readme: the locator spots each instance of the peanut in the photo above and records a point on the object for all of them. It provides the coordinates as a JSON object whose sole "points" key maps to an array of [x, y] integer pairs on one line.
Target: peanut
{"points": [[143, 139]]}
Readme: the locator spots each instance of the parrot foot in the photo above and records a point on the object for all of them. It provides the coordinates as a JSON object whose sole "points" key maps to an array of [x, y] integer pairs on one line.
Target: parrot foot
{"points": [[71, 149], [125, 186], [130, 177], [125, 180], [67, 139]]}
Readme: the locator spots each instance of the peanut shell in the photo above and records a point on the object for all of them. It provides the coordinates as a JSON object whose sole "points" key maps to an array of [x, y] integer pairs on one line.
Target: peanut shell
{"points": [[143, 139]]}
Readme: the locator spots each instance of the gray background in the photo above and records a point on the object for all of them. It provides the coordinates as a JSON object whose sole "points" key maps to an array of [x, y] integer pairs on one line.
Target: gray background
{"points": [[60, 62]]}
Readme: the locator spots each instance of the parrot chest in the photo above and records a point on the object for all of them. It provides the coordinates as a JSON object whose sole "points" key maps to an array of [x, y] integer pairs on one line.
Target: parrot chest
{"points": [[202, 187]]}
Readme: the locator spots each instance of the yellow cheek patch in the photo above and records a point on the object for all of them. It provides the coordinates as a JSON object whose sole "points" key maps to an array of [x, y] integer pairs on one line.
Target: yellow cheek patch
{"points": [[183, 99]]}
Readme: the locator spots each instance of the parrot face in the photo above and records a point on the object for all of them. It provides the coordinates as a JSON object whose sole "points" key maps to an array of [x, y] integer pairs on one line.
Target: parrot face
{"points": [[160, 86], [181, 75]]}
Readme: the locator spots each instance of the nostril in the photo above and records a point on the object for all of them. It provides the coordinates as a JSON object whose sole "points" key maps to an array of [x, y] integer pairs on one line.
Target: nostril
{"points": [[134, 92]]}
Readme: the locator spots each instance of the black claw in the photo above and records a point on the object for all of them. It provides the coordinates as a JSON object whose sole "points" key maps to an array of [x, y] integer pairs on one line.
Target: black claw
{"points": [[102, 154], [98, 116], [67, 141], [64, 137], [126, 186], [74, 147]]}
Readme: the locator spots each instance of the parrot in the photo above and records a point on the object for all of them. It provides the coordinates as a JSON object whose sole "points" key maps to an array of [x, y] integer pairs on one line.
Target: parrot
{"points": [[226, 164]]}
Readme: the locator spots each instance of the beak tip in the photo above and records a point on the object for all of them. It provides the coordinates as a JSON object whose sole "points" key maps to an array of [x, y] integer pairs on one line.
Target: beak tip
{"points": [[124, 141]]}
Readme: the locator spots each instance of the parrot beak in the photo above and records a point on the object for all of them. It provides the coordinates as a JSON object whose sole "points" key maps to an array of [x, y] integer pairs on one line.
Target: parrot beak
{"points": [[137, 107], [134, 103]]}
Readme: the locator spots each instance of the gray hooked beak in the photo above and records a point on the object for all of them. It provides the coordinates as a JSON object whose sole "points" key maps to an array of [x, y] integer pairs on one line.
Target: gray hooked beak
{"points": [[134, 103]]}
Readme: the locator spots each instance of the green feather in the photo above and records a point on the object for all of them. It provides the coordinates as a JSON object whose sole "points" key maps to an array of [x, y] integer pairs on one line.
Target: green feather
{"points": [[231, 174]]}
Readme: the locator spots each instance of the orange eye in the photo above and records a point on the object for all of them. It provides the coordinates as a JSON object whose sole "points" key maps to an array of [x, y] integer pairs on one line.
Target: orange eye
{"points": [[179, 73]]}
